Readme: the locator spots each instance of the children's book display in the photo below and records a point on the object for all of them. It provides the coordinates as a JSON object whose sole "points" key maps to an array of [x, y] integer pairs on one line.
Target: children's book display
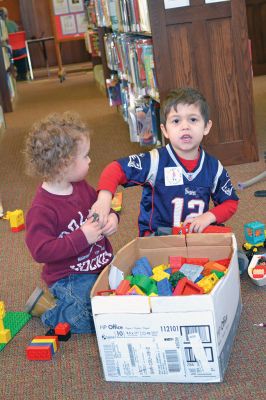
{"points": [[132, 57]]}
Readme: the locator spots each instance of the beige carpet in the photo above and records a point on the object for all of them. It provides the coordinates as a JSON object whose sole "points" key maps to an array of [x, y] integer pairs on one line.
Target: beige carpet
{"points": [[75, 371]]}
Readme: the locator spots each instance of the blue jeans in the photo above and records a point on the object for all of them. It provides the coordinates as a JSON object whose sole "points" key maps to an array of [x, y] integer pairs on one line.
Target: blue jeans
{"points": [[73, 303]]}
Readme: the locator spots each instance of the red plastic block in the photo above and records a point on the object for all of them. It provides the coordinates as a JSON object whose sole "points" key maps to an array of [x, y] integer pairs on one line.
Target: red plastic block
{"points": [[225, 262], [180, 230], [40, 353], [18, 228], [185, 287], [62, 328], [217, 229], [197, 261], [123, 288], [176, 261]]}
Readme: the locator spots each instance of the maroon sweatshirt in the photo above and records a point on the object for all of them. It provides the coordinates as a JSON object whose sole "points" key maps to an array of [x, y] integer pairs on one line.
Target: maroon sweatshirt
{"points": [[54, 237]]}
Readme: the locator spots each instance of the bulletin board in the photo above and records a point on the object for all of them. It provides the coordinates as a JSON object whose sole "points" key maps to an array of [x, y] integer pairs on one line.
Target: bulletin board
{"points": [[69, 21]]}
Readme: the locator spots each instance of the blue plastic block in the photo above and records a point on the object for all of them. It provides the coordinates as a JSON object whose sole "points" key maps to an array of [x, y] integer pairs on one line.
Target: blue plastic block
{"points": [[192, 271], [164, 287], [142, 267]]}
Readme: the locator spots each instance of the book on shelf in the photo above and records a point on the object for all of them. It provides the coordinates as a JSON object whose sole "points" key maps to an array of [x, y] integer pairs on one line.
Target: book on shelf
{"points": [[113, 90], [123, 15]]}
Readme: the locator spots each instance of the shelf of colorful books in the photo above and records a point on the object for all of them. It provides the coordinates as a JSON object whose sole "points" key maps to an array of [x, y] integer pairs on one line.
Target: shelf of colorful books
{"points": [[123, 15]]}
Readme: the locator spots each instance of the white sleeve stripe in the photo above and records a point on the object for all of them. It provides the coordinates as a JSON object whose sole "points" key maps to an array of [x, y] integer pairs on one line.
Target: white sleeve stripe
{"points": [[151, 178], [217, 176]]}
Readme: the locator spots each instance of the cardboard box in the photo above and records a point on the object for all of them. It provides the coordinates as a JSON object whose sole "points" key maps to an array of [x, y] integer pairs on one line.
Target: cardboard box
{"points": [[169, 339]]}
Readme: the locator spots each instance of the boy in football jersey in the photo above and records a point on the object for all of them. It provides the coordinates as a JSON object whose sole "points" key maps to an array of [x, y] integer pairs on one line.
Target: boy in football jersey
{"points": [[179, 179]]}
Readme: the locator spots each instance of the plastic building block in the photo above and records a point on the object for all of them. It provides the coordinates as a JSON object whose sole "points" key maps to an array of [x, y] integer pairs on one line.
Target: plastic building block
{"points": [[197, 261], [5, 334], [135, 290], [208, 282], [62, 328], [191, 271], [209, 266], [185, 287], [144, 283], [217, 229], [164, 287], [174, 278], [219, 274], [16, 220], [159, 275], [117, 201], [123, 287], [40, 353], [47, 339], [142, 267], [41, 344], [15, 322], [180, 230], [225, 262], [176, 262], [161, 267]]}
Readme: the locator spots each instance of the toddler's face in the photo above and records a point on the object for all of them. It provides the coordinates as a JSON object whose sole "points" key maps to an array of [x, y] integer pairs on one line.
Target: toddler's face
{"points": [[79, 167], [185, 129]]}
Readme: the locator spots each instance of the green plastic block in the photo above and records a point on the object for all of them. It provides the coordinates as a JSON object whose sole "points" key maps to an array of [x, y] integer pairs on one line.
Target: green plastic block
{"points": [[129, 278], [15, 322], [219, 274], [144, 283], [174, 278]]}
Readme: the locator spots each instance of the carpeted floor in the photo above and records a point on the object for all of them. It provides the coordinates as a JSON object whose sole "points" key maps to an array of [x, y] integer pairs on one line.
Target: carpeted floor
{"points": [[75, 371]]}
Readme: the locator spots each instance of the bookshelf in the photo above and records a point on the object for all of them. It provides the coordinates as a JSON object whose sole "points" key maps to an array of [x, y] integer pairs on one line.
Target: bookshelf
{"points": [[7, 80], [198, 43]]}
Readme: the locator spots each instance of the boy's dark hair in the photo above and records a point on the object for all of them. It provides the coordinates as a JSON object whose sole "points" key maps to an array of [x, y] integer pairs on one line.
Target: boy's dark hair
{"points": [[186, 95]]}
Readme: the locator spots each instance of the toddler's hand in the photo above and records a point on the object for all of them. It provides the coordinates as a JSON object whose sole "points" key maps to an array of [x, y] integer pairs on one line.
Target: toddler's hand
{"points": [[111, 226], [102, 207], [92, 230], [198, 224]]}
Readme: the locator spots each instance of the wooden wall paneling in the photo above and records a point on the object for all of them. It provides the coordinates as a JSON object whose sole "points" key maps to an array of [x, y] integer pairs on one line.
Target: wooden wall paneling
{"points": [[256, 19], [206, 46]]}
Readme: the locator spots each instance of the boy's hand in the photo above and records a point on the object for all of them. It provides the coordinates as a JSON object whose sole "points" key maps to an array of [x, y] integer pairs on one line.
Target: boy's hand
{"points": [[111, 226], [198, 224], [102, 206], [92, 230]]}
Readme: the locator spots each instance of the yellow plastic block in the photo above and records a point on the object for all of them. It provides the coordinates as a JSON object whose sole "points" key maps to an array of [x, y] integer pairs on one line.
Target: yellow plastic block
{"points": [[16, 218], [160, 275], [135, 289], [48, 340], [5, 335], [208, 282]]}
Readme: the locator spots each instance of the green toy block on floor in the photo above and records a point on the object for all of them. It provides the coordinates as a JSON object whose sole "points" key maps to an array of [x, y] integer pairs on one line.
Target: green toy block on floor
{"points": [[15, 322]]}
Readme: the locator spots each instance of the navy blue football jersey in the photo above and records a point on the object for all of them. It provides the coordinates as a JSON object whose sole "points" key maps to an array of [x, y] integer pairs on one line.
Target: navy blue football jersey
{"points": [[170, 192]]}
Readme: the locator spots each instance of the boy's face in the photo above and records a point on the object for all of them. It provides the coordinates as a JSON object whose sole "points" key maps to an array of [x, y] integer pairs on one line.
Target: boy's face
{"points": [[79, 167], [185, 129]]}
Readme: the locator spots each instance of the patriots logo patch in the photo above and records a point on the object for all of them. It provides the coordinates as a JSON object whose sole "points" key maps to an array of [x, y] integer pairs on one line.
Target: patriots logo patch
{"points": [[135, 161], [227, 188]]}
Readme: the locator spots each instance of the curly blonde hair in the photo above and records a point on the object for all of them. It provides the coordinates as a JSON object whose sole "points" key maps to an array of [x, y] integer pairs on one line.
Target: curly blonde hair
{"points": [[52, 144]]}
